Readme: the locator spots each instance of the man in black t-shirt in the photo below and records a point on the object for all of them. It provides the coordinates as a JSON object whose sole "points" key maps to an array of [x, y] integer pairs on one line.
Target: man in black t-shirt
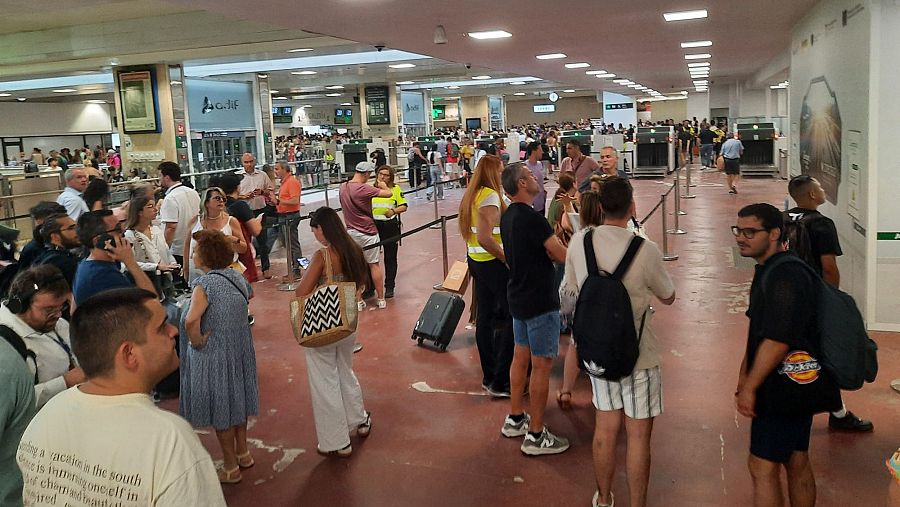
{"points": [[707, 146], [825, 248], [529, 244], [781, 384]]}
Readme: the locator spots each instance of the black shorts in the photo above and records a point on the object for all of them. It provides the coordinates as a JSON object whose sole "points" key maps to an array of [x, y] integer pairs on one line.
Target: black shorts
{"points": [[775, 438], [732, 166]]}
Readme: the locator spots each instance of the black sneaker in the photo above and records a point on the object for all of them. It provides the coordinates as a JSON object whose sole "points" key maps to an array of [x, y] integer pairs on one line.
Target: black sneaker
{"points": [[850, 423], [388, 293]]}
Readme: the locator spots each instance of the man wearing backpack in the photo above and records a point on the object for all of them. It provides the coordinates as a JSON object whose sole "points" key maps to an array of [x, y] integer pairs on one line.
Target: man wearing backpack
{"points": [[781, 383], [638, 394], [530, 247], [814, 239]]}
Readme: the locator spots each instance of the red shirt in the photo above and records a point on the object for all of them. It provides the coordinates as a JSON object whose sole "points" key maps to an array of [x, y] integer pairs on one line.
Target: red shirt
{"points": [[290, 189]]}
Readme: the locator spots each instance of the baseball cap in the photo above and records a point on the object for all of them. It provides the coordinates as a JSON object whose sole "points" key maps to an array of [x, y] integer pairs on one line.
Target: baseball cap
{"points": [[365, 167]]}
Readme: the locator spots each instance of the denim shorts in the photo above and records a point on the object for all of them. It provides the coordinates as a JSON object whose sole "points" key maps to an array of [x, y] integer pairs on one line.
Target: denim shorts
{"points": [[540, 334]]}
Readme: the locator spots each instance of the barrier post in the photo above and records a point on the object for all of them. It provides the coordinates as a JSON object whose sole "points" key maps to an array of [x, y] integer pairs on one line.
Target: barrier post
{"points": [[289, 254], [326, 178], [687, 186], [445, 254], [676, 229], [665, 237], [434, 195]]}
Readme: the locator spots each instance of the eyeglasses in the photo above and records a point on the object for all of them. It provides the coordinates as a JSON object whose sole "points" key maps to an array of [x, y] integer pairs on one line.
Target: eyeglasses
{"points": [[54, 310], [747, 232], [217, 198]]}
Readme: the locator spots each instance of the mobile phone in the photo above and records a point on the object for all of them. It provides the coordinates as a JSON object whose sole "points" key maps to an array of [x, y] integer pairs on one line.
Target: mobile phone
{"points": [[105, 241], [303, 262]]}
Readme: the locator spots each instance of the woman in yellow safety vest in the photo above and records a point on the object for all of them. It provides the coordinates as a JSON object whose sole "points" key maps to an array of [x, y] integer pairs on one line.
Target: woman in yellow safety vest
{"points": [[479, 225], [386, 212]]}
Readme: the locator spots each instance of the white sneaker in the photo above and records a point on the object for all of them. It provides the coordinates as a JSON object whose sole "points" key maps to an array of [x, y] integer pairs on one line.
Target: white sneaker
{"points": [[360, 305], [546, 443], [382, 304], [595, 502]]}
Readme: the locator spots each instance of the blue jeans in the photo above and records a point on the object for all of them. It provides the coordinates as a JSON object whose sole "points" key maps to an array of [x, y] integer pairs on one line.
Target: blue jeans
{"points": [[706, 154]]}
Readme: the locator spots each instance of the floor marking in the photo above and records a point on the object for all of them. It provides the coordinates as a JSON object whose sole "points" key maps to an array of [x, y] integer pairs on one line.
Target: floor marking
{"points": [[736, 425], [724, 488], [423, 387], [518, 479], [676, 353], [287, 457]]}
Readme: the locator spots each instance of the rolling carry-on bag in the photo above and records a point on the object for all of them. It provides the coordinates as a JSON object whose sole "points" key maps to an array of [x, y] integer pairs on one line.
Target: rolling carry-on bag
{"points": [[439, 319]]}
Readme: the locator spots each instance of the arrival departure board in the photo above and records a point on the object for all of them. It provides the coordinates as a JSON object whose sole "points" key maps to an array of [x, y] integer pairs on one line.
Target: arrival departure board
{"points": [[377, 109]]}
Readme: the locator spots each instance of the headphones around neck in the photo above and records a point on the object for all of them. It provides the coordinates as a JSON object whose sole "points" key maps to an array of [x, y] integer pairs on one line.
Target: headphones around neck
{"points": [[20, 303]]}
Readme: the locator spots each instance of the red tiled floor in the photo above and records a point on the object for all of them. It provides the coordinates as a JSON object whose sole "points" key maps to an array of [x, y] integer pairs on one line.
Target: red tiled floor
{"points": [[446, 449]]}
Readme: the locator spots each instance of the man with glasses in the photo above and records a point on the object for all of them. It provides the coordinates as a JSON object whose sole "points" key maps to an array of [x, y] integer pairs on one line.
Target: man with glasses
{"points": [[60, 238], [111, 263], [781, 384], [32, 314], [254, 187]]}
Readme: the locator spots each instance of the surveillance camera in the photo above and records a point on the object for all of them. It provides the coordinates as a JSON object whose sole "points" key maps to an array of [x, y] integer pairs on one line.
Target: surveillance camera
{"points": [[468, 66], [379, 47]]}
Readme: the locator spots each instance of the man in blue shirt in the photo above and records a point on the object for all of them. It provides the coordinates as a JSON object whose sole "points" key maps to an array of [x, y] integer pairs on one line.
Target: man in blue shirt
{"points": [[732, 150], [76, 182], [102, 270]]}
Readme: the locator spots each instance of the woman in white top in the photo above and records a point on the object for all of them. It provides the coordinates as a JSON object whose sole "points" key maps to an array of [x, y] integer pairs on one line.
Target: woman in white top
{"points": [[213, 216], [436, 169], [149, 243]]}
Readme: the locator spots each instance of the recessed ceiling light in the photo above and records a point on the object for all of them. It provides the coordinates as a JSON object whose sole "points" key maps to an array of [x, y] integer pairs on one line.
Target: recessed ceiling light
{"points": [[517, 83], [299, 50], [551, 56], [491, 34], [579, 65], [279, 98], [273, 92], [262, 76], [481, 77], [698, 56], [697, 44], [21, 99], [685, 15], [519, 93], [335, 87], [454, 87], [698, 64], [346, 104], [405, 82], [307, 105], [65, 90], [332, 94], [569, 91], [603, 76], [304, 72], [402, 65], [5, 94]]}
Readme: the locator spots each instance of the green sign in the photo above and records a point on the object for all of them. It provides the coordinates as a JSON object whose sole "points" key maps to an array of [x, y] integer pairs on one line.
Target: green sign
{"points": [[889, 236]]}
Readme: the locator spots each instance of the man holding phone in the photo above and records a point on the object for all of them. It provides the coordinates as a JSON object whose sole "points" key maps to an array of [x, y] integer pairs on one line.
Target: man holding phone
{"points": [[111, 263]]}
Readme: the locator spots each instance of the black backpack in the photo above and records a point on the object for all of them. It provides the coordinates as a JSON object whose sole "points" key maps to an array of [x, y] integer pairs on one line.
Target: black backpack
{"points": [[607, 344], [796, 235], [18, 343]]}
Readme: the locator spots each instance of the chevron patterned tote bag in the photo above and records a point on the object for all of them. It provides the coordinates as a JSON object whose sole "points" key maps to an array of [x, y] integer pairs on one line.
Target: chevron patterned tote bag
{"points": [[326, 315]]}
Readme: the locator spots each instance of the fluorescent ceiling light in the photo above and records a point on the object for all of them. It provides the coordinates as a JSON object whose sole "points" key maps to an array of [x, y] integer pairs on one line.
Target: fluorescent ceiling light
{"points": [[595, 72], [444, 84], [685, 15], [300, 50], [262, 76], [279, 98], [95, 101], [621, 81], [303, 62], [5, 94], [603, 76], [481, 78], [698, 64], [698, 56], [454, 87], [346, 104], [332, 94], [335, 87], [634, 86], [684, 92], [405, 82], [699, 74], [174, 83], [21, 99], [517, 83], [569, 91], [491, 34], [304, 72], [579, 65], [627, 82], [57, 82], [519, 93], [551, 56], [697, 44], [402, 65], [65, 90], [702, 82]]}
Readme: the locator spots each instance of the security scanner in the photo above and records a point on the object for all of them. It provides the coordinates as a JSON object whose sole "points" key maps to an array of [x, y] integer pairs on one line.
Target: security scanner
{"points": [[486, 141], [760, 157], [584, 137], [655, 151], [352, 153]]}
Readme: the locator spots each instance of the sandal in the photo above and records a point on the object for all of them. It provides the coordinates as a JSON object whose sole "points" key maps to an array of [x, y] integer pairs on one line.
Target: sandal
{"points": [[564, 400], [340, 453], [245, 460], [365, 427], [229, 476]]}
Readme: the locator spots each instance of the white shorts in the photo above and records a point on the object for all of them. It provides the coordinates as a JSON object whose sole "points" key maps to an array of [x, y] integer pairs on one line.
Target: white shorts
{"points": [[450, 167], [639, 394], [363, 240]]}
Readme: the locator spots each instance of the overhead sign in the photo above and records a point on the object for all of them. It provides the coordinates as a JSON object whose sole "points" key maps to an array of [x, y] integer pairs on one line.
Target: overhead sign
{"points": [[610, 107], [220, 105], [544, 108], [377, 106], [413, 108]]}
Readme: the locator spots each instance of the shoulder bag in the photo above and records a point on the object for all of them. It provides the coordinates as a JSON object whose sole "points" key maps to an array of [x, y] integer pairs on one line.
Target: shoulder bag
{"points": [[326, 315]]}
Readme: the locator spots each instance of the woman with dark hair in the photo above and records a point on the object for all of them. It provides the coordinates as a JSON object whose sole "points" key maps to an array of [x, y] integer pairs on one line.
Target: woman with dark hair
{"points": [[250, 225], [96, 193], [336, 396], [219, 386], [386, 212]]}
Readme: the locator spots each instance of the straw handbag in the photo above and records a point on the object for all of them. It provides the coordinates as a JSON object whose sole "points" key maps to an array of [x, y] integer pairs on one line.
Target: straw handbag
{"points": [[326, 315]]}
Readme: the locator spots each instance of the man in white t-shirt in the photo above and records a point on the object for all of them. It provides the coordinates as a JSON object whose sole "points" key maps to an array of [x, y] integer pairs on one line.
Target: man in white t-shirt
{"points": [[104, 442], [638, 395], [179, 208]]}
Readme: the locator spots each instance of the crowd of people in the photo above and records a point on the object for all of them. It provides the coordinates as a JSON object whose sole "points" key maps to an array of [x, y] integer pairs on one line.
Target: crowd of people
{"points": [[119, 302]]}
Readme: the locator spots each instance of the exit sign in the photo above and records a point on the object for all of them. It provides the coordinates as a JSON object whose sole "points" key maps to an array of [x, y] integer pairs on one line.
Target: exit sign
{"points": [[889, 236]]}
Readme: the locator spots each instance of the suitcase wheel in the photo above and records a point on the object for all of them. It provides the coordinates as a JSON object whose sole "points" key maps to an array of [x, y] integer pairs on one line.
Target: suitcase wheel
{"points": [[444, 347]]}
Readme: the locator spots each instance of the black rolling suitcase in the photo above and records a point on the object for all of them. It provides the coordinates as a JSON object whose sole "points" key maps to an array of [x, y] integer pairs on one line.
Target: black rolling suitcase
{"points": [[439, 319]]}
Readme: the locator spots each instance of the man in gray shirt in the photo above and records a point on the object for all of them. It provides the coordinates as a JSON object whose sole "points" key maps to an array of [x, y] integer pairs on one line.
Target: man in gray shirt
{"points": [[732, 150], [254, 186]]}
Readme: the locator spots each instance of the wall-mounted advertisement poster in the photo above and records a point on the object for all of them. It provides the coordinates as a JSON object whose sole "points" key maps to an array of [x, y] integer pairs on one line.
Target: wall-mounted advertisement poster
{"points": [[820, 137], [139, 100]]}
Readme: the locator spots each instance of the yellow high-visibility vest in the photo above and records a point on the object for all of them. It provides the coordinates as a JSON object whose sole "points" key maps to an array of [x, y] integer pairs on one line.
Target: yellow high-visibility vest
{"points": [[380, 205], [476, 251]]}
